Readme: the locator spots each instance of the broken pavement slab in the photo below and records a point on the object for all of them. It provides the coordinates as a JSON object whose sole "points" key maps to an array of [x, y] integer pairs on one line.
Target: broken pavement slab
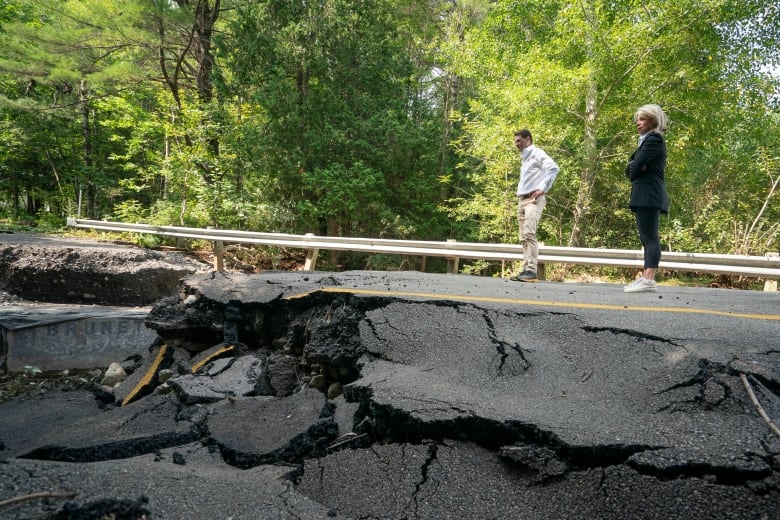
{"points": [[455, 479], [268, 430], [471, 407], [145, 379], [25, 422], [437, 370], [117, 433], [187, 482], [220, 379]]}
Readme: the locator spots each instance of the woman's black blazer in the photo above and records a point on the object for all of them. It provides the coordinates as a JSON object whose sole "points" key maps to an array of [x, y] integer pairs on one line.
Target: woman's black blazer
{"points": [[646, 171]]}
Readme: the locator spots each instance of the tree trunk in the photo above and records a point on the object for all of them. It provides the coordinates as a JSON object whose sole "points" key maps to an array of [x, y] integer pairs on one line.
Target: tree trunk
{"points": [[588, 175], [86, 136], [205, 18]]}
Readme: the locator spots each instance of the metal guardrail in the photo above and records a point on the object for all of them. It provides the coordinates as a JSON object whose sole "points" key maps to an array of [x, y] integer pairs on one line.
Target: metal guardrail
{"points": [[754, 266]]}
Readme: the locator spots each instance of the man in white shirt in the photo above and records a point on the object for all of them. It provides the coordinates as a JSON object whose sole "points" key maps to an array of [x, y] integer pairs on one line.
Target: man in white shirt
{"points": [[537, 173]]}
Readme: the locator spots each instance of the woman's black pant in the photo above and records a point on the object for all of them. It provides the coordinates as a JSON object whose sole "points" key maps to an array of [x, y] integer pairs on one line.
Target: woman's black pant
{"points": [[647, 222]]}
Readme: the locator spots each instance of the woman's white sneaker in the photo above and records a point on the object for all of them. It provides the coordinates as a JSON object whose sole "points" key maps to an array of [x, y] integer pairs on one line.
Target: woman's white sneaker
{"points": [[641, 285], [632, 283]]}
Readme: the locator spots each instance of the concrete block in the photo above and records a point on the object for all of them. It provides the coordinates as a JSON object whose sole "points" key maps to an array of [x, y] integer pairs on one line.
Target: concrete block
{"points": [[64, 337]]}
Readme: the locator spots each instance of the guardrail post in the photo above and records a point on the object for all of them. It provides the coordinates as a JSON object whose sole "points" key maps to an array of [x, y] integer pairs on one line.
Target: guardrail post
{"points": [[771, 285], [219, 253], [219, 256], [311, 257], [452, 261]]}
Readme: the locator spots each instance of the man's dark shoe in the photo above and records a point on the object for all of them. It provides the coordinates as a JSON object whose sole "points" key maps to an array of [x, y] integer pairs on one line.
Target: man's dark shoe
{"points": [[516, 277], [527, 276]]}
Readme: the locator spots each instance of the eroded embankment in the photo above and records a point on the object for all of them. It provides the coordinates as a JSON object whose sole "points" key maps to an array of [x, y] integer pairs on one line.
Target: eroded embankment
{"points": [[100, 274]]}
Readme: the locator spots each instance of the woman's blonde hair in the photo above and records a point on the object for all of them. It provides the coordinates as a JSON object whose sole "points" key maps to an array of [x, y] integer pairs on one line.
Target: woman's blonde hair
{"points": [[655, 113]]}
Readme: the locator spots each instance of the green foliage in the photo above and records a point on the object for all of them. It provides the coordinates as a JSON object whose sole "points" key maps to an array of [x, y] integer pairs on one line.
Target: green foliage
{"points": [[131, 211], [384, 262], [48, 221], [475, 267], [340, 143], [343, 196], [574, 74], [390, 118], [148, 241]]}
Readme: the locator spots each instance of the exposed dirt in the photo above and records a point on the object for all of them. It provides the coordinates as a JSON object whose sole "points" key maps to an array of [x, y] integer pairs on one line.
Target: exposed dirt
{"points": [[54, 271], [51, 269]]}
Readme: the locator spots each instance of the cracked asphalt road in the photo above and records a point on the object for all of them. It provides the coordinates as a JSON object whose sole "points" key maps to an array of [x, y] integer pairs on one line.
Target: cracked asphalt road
{"points": [[409, 395]]}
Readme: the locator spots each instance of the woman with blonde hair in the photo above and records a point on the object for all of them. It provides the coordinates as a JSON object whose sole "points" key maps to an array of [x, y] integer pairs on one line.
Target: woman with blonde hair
{"points": [[649, 199]]}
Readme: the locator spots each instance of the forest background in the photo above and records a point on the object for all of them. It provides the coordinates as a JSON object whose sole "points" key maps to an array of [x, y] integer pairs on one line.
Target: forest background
{"points": [[390, 118]]}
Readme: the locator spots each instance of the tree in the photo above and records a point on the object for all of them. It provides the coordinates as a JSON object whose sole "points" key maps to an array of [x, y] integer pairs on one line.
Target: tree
{"points": [[575, 73], [347, 136], [85, 50]]}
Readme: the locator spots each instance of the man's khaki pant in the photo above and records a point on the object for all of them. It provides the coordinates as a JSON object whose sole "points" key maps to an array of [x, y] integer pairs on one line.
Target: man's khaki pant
{"points": [[529, 211]]}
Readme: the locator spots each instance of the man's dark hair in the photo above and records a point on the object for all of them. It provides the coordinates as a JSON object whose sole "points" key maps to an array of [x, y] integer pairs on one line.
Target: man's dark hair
{"points": [[525, 134]]}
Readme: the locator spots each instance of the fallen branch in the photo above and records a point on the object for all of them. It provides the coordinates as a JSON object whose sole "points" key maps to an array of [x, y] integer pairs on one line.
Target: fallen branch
{"points": [[15, 501], [758, 406]]}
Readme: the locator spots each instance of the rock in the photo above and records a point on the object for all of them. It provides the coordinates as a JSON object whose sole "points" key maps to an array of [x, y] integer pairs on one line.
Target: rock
{"points": [[114, 375]]}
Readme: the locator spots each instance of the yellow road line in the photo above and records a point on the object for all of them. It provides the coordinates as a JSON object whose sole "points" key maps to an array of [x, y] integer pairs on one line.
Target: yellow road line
{"points": [[147, 378], [513, 301], [213, 356]]}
